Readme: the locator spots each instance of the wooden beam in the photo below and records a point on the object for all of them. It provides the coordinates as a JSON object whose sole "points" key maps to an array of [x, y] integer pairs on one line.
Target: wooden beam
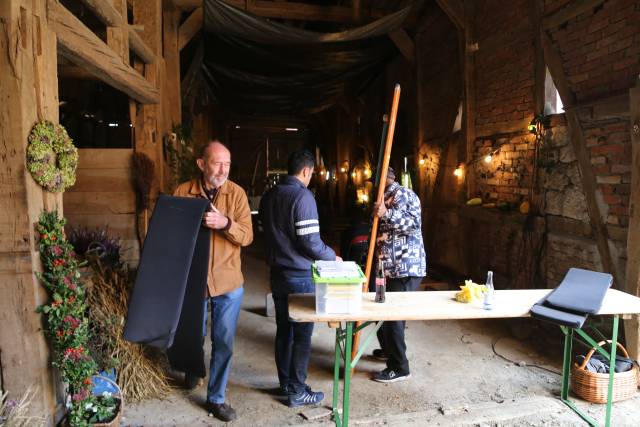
{"points": [[109, 15], [632, 326], [190, 27], [589, 186], [405, 44], [467, 37], [140, 48], [81, 46], [454, 9], [573, 9], [296, 11], [633, 239]]}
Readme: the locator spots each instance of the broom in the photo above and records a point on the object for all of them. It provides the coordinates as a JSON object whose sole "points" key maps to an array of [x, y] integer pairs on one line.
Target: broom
{"points": [[143, 174]]}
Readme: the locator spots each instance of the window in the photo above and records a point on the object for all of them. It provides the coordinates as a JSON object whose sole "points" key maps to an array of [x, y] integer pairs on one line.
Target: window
{"points": [[552, 101]]}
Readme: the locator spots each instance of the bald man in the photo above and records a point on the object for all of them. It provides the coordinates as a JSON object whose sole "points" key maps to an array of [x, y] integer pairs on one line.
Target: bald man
{"points": [[229, 218]]}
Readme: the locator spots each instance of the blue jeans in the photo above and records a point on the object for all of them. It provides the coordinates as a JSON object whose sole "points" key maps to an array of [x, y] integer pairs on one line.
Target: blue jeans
{"points": [[224, 319], [293, 339]]}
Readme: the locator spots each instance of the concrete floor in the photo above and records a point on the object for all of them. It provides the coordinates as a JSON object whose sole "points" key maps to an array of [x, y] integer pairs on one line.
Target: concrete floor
{"points": [[457, 378]]}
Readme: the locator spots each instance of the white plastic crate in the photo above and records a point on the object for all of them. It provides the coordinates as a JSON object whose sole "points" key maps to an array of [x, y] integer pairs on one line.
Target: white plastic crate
{"points": [[338, 295]]}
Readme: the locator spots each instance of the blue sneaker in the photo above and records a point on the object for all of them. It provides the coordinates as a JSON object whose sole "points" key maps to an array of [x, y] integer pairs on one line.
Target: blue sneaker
{"points": [[304, 398]]}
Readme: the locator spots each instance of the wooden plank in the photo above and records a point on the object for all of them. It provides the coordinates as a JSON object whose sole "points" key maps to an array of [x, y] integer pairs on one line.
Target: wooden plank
{"points": [[443, 306], [405, 44], [106, 12], [589, 186], [122, 226], [568, 12], [469, 107], [633, 238], [103, 180], [296, 11], [97, 203], [190, 27], [81, 46], [105, 158], [29, 93], [454, 9], [144, 52]]}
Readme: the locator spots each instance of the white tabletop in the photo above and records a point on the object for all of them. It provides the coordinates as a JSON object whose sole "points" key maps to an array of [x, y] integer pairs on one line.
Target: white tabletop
{"points": [[441, 305]]}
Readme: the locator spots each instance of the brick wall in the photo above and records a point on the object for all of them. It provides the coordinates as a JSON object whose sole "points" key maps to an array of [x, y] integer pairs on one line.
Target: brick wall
{"points": [[600, 50], [504, 62]]}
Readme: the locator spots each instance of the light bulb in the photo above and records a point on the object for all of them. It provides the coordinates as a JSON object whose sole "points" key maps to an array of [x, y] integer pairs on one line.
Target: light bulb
{"points": [[353, 175], [422, 161], [367, 172], [458, 172], [487, 159], [343, 170], [321, 172]]}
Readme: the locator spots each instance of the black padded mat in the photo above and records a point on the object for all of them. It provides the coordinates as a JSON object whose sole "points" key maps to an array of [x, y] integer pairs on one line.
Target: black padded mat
{"points": [[581, 291], [160, 291], [187, 352], [542, 312]]}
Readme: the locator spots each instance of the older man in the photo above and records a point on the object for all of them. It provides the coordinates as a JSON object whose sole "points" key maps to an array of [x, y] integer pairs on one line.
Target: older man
{"points": [[229, 218]]}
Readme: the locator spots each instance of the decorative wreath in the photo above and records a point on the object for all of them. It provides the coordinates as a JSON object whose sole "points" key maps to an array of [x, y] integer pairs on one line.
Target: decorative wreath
{"points": [[51, 157]]}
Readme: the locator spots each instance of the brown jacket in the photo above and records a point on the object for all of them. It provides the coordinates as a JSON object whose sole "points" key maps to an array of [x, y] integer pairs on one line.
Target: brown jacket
{"points": [[225, 273]]}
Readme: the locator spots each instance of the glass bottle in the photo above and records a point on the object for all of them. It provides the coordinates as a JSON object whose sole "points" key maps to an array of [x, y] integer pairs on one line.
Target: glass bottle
{"points": [[488, 295], [381, 284]]}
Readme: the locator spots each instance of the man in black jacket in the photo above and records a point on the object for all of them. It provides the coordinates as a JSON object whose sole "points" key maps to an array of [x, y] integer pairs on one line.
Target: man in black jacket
{"points": [[289, 217]]}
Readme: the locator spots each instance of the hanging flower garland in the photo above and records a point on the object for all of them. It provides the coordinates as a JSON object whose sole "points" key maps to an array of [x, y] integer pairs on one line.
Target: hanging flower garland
{"points": [[67, 324], [51, 157]]}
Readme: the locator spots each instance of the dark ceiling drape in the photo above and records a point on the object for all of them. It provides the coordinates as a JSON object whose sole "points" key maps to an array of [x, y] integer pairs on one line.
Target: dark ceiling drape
{"points": [[254, 65]]}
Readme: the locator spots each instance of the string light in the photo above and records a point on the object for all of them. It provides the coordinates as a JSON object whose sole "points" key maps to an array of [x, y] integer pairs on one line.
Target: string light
{"points": [[458, 172], [353, 174], [343, 170], [488, 158], [422, 161], [367, 172]]}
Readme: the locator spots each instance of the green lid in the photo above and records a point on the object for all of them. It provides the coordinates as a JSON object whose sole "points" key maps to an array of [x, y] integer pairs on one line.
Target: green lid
{"points": [[338, 280]]}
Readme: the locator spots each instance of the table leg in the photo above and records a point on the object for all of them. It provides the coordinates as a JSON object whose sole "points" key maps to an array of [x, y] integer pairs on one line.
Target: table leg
{"points": [[612, 366], [347, 374], [336, 378], [566, 363]]}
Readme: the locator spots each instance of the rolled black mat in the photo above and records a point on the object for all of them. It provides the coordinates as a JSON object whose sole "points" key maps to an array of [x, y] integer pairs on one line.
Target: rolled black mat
{"points": [[166, 308]]}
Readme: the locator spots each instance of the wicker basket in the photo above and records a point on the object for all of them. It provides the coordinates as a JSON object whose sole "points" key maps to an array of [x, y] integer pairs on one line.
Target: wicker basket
{"points": [[116, 421], [592, 386]]}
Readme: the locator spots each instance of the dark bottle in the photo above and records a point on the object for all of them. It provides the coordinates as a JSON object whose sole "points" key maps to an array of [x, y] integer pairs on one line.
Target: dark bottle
{"points": [[381, 284]]}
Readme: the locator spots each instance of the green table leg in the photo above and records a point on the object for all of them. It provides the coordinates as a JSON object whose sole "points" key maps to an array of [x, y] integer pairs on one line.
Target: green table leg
{"points": [[347, 374], [612, 366], [566, 369], [336, 378]]}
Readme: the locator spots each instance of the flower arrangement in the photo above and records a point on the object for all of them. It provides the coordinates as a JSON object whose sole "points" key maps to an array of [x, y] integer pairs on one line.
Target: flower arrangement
{"points": [[67, 324], [51, 157]]}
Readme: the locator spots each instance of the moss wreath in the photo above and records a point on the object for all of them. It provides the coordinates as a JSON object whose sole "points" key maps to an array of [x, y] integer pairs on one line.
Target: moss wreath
{"points": [[51, 157]]}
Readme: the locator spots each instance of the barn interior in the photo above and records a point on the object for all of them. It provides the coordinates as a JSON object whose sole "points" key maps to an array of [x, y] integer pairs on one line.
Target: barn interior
{"points": [[517, 128]]}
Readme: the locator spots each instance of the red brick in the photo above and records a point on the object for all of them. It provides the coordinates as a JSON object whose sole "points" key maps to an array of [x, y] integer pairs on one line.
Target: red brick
{"points": [[601, 170], [607, 149], [619, 210], [622, 189], [611, 199]]}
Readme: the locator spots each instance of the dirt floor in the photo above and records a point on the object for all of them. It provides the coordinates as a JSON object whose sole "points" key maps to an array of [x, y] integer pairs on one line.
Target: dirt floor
{"points": [[464, 373]]}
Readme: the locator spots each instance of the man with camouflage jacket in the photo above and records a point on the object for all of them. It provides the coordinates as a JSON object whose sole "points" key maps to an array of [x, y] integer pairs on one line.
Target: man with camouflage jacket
{"points": [[399, 246]]}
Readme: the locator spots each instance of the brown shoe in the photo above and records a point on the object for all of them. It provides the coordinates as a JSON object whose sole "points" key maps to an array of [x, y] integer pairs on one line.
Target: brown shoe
{"points": [[222, 411]]}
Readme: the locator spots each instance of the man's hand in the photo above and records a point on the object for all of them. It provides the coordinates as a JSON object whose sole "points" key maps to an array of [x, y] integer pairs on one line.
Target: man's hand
{"points": [[338, 258], [214, 219], [379, 209]]}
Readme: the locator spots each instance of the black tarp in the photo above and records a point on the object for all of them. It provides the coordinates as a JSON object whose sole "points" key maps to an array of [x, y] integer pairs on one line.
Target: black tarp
{"points": [[251, 64], [167, 304]]}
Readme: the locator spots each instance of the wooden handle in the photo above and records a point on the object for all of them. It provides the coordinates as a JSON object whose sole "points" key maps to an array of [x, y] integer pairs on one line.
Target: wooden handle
{"points": [[383, 178], [593, 350]]}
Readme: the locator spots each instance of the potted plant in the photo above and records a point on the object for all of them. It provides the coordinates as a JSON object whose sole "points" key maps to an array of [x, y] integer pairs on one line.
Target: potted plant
{"points": [[67, 326]]}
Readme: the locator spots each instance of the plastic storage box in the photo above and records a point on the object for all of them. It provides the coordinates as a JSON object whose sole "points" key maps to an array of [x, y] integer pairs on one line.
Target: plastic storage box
{"points": [[338, 295]]}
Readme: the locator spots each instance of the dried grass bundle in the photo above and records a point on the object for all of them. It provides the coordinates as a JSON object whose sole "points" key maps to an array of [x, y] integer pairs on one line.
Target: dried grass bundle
{"points": [[15, 413], [144, 174], [141, 371]]}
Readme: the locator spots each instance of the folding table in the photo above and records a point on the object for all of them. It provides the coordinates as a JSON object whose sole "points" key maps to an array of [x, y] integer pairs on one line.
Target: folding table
{"points": [[441, 305]]}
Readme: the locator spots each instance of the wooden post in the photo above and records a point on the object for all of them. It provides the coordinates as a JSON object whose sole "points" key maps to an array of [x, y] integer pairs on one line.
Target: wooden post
{"points": [[171, 101], [554, 63], [28, 93], [469, 111], [632, 326]]}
